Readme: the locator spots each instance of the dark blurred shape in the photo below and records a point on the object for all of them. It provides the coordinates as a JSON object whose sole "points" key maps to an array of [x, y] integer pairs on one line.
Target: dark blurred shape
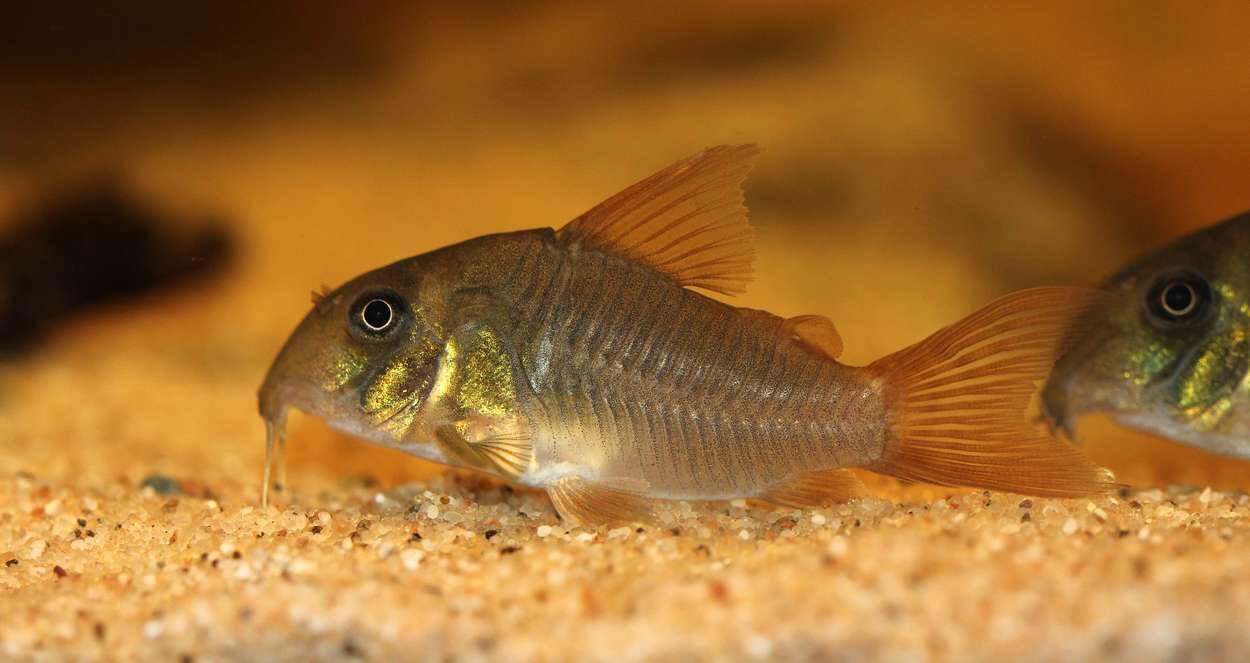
{"points": [[91, 245], [249, 44], [162, 484], [74, 73]]}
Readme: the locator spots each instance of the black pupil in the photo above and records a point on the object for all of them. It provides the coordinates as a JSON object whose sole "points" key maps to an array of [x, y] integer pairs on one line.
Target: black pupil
{"points": [[1178, 298], [377, 314]]}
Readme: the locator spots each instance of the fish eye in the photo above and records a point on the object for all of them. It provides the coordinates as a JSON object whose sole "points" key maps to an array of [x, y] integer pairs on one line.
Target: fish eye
{"points": [[1178, 298], [376, 314]]}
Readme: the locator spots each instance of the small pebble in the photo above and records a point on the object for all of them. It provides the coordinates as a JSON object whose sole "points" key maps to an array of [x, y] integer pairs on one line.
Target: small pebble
{"points": [[152, 630], [411, 558], [35, 551], [759, 646]]}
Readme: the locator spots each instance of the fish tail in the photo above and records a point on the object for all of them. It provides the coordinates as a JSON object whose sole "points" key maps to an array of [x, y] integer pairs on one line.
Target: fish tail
{"points": [[958, 401]]}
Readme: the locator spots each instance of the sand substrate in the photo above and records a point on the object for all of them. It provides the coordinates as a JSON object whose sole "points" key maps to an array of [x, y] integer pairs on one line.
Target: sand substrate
{"points": [[456, 567]]}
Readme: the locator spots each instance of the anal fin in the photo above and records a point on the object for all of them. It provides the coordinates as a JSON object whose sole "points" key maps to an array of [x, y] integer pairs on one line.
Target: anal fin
{"points": [[819, 488], [581, 502]]}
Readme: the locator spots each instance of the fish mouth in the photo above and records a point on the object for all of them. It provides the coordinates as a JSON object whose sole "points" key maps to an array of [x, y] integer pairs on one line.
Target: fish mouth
{"points": [[1056, 411], [276, 396], [277, 399], [1066, 399], [275, 402], [1059, 425], [1079, 382]]}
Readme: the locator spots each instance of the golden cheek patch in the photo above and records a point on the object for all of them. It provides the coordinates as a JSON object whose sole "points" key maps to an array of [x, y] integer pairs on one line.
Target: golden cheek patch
{"points": [[1205, 389], [403, 383], [486, 385], [346, 366]]}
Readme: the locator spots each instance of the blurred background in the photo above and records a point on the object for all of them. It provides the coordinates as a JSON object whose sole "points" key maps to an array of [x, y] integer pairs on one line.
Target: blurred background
{"points": [[919, 159]]}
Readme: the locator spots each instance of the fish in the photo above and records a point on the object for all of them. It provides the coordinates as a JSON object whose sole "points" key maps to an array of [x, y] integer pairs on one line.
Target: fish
{"points": [[1168, 352], [585, 361]]}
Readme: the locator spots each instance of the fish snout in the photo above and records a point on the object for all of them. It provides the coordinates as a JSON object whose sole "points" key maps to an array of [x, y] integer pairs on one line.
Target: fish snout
{"points": [[1078, 387], [272, 401], [1056, 408], [288, 384]]}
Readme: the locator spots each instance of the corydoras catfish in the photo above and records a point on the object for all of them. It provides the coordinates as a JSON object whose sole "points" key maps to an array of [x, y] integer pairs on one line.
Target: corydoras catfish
{"points": [[1169, 352], [583, 361]]}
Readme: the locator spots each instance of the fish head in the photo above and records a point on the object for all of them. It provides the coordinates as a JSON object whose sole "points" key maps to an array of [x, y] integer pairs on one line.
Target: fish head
{"points": [[1169, 349], [365, 357]]}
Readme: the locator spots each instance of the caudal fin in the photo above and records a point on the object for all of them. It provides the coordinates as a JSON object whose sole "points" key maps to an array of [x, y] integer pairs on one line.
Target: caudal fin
{"points": [[958, 401]]}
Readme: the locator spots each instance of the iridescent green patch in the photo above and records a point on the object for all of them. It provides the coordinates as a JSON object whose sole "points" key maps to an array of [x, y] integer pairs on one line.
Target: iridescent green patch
{"points": [[349, 362], [1205, 387], [1146, 360], [486, 384], [401, 384]]}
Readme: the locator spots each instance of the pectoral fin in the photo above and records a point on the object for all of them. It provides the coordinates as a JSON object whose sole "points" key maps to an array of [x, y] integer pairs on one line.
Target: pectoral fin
{"points": [[581, 502], [505, 454], [820, 488]]}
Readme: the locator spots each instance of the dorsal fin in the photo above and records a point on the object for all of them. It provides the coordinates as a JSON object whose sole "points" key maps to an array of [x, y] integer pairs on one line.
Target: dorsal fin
{"points": [[688, 221]]}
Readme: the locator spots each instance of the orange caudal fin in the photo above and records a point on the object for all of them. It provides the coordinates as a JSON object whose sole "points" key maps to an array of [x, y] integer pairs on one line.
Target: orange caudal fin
{"points": [[958, 401]]}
